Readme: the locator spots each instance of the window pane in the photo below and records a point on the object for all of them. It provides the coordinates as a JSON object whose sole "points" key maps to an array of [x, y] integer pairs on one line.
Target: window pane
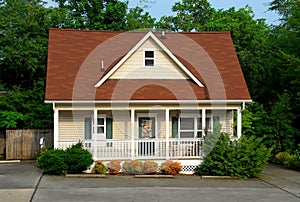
{"points": [[100, 129], [149, 62], [199, 123], [186, 134], [208, 123], [187, 123], [199, 134], [149, 54], [100, 121]]}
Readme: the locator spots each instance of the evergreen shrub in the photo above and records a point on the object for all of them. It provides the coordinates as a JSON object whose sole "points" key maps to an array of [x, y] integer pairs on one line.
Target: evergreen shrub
{"points": [[244, 158], [57, 161]]}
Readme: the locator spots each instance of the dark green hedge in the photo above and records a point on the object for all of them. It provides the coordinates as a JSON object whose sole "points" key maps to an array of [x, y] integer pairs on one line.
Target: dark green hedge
{"points": [[72, 160], [245, 158]]}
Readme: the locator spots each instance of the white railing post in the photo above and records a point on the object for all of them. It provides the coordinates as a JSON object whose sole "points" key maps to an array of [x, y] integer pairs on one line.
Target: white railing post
{"points": [[132, 133], [167, 134]]}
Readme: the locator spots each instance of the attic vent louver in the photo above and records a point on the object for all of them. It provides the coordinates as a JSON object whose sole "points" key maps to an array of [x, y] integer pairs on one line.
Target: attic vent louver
{"points": [[102, 66], [163, 35]]}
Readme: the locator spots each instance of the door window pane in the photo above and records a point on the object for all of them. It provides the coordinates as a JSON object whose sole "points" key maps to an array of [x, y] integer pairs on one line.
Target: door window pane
{"points": [[100, 121]]}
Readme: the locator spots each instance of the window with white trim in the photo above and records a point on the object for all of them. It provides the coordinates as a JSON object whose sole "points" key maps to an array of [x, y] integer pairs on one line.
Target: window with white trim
{"points": [[149, 58], [191, 126], [100, 125]]}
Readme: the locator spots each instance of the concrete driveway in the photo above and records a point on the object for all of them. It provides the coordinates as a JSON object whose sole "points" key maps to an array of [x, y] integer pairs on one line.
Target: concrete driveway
{"points": [[18, 183]]}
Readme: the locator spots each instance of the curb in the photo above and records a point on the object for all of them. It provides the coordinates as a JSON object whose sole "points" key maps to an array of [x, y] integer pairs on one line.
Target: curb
{"points": [[85, 176], [10, 161], [219, 177], [154, 176]]}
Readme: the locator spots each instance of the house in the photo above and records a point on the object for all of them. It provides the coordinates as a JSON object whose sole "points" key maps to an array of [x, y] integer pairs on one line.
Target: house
{"points": [[143, 95]]}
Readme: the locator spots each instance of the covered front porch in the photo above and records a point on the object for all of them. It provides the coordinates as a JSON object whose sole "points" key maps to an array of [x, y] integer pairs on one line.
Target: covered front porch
{"points": [[142, 131]]}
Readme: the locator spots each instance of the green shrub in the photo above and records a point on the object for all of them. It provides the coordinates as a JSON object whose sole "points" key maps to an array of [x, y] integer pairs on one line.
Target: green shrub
{"points": [[52, 162], [244, 158], [283, 158], [99, 168], [56, 161], [77, 159], [39, 152], [294, 161]]}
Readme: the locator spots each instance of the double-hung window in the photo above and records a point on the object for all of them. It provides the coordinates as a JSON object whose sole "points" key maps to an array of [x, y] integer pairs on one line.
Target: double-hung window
{"points": [[191, 126], [149, 58]]}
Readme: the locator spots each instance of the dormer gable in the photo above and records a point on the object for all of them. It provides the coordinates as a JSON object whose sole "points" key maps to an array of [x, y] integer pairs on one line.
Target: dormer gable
{"points": [[149, 59]]}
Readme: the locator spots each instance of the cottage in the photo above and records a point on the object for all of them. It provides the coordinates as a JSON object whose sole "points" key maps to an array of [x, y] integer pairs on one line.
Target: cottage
{"points": [[143, 95]]}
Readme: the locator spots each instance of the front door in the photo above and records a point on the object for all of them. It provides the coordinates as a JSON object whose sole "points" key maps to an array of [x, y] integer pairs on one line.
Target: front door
{"points": [[146, 147], [100, 133]]}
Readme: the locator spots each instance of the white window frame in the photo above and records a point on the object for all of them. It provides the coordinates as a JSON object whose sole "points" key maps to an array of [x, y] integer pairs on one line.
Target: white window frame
{"points": [[148, 58], [195, 118], [99, 116]]}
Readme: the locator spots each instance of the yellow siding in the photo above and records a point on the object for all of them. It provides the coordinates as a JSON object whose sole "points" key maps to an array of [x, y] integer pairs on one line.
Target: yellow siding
{"points": [[164, 68], [71, 125]]}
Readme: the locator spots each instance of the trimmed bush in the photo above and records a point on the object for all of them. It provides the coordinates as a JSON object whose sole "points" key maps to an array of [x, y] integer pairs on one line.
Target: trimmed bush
{"points": [[56, 161], [52, 162], [133, 166], [114, 166], [150, 167], [77, 159], [244, 158]]}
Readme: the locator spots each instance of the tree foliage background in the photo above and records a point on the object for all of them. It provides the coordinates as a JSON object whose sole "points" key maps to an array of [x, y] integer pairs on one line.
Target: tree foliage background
{"points": [[269, 56]]}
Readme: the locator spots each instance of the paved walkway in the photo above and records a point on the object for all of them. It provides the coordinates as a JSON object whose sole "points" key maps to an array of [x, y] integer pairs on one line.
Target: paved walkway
{"points": [[24, 182]]}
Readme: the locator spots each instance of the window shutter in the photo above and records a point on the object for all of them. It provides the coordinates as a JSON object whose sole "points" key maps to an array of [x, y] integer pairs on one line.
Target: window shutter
{"points": [[174, 127], [153, 127], [87, 128], [109, 130]]}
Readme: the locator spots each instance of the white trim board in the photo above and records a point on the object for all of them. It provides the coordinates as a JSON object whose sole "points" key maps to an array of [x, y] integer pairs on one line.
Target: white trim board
{"points": [[138, 45]]}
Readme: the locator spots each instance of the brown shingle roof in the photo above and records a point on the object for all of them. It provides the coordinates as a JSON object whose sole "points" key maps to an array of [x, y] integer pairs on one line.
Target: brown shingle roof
{"points": [[75, 56]]}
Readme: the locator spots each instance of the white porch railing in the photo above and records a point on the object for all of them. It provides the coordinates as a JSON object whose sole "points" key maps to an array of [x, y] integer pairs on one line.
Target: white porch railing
{"points": [[184, 148]]}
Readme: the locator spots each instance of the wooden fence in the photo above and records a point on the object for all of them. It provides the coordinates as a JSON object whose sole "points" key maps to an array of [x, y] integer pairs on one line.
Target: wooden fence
{"points": [[2, 144], [23, 144]]}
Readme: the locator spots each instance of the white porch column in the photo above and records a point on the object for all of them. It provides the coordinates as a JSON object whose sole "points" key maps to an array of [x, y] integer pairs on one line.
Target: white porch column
{"points": [[167, 133], [132, 133], [203, 122], [55, 132], [239, 123], [94, 133]]}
